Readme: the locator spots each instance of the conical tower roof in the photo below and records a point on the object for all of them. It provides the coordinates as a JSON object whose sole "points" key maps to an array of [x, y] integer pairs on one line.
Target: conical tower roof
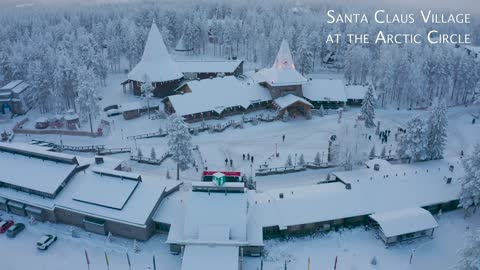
{"points": [[156, 63], [181, 46], [283, 71], [284, 59]]}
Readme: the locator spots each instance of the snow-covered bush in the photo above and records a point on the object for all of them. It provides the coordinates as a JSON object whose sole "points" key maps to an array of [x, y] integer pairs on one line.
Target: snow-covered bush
{"points": [[469, 255]]}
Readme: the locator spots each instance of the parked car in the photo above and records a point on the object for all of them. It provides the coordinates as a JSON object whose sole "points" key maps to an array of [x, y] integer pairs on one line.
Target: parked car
{"points": [[46, 241], [5, 224], [15, 229]]}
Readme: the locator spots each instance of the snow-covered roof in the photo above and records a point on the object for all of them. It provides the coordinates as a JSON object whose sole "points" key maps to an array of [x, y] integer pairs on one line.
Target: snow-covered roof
{"points": [[283, 71], [131, 106], [217, 94], [107, 192], [325, 90], [279, 77], [356, 91], [20, 87], [384, 165], [287, 100], [156, 64], [209, 66], [104, 190], [9, 86], [210, 257], [38, 152], [402, 186], [205, 209], [34, 173], [403, 221], [172, 210]]}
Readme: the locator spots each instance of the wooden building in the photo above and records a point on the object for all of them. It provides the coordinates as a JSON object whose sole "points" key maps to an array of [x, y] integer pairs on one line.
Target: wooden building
{"points": [[17, 97]]}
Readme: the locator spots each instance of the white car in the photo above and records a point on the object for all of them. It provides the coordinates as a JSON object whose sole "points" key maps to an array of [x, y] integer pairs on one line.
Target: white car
{"points": [[46, 241]]}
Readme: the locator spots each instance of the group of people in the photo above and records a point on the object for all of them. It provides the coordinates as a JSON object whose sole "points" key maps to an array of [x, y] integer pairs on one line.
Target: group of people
{"points": [[248, 157], [383, 135]]}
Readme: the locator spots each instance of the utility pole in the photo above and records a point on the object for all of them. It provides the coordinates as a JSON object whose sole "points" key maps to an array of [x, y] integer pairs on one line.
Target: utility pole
{"points": [[91, 126]]}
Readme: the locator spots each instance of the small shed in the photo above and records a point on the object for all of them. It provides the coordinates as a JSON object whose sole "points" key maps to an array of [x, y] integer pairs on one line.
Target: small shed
{"points": [[131, 110], [72, 120], [405, 224]]}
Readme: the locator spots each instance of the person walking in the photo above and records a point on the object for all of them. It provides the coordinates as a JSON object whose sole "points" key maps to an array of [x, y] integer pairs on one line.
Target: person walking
{"points": [[226, 161], [283, 138], [252, 158], [231, 163], [243, 156]]}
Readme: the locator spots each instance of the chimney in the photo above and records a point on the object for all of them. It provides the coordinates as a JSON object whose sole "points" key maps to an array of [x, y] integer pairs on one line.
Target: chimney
{"points": [[98, 160]]}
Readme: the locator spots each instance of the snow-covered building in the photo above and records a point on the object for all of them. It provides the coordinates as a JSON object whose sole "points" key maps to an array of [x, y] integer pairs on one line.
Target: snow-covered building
{"points": [[404, 224], [206, 69], [349, 197], [91, 193], [16, 96], [330, 93], [155, 66], [209, 220], [280, 87], [213, 98]]}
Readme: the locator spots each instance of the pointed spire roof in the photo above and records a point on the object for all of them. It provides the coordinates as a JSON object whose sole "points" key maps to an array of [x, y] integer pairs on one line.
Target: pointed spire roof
{"points": [[181, 46], [156, 63], [283, 71], [284, 59]]}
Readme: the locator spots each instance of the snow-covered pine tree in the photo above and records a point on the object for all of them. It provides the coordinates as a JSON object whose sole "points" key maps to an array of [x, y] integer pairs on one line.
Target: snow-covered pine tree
{"points": [[372, 152], [139, 153], [153, 154], [470, 192], [469, 255], [368, 108], [87, 99], [179, 142], [289, 162], [437, 130], [317, 159], [413, 144], [168, 174], [301, 160], [383, 154], [321, 111]]}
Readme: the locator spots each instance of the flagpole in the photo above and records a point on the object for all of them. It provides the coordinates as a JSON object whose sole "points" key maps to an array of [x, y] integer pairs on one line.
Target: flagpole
{"points": [[128, 261], [106, 260], [86, 258]]}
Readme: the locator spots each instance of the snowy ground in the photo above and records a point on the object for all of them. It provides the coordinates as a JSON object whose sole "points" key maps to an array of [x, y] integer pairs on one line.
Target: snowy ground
{"points": [[354, 248]]}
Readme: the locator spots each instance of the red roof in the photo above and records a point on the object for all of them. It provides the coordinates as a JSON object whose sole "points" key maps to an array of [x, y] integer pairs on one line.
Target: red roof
{"points": [[209, 173]]}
